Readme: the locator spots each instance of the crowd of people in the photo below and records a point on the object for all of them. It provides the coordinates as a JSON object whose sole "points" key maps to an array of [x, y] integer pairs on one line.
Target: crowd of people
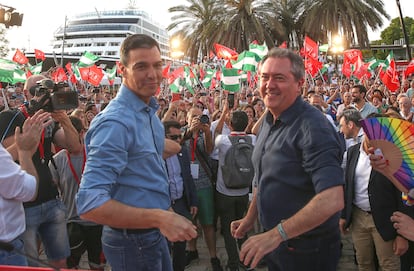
{"points": [[134, 175]]}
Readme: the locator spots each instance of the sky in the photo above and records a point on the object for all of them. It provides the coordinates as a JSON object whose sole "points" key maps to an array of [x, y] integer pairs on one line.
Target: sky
{"points": [[43, 17]]}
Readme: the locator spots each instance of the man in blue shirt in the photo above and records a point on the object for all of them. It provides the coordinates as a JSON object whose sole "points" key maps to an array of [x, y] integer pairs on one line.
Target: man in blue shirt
{"points": [[125, 185], [297, 160]]}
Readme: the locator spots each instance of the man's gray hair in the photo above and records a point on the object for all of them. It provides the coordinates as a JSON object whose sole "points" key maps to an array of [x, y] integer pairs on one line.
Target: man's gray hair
{"points": [[298, 68]]}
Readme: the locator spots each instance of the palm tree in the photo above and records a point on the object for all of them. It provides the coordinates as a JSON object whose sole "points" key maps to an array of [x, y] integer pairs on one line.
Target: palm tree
{"points": [[243, 21], [350, 18], [193, 23]]}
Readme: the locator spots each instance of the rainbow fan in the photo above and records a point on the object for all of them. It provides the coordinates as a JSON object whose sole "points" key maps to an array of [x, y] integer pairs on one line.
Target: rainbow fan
{"points": [[395, 138]]}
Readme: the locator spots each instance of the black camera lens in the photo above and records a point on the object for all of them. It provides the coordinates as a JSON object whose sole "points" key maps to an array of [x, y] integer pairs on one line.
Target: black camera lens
{"points": [[204, 119]]}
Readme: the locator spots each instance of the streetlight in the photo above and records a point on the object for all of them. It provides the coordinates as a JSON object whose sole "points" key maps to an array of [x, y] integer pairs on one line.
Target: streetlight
{"points": [[176, 51], [336, 49]]}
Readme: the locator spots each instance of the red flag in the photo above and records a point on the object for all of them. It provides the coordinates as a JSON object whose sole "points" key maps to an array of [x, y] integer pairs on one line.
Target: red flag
{"points": [[95, 75], [410, 69], [211, 55], [175, 97], [202, 73], [361, 69], [20, 58], [59, 75], [175, 74], [228, 65], [350, 58], [225, 52], [118, 70], [255, 42], [84, 73], [28, 73], [312, 66], [310, 48], [390, 77], [283, 45], [166, 70], [39, 55]]}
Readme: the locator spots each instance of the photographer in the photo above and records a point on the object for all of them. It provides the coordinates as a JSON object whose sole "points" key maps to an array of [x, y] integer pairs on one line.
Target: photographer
{"points": [[46, 212]]}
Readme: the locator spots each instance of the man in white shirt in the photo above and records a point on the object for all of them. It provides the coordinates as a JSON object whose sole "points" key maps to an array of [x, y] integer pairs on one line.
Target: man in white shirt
{"points": [[17, 183], [231, 204]]}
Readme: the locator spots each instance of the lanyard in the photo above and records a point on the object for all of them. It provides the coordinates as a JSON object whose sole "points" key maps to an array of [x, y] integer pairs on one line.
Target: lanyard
{"points": [[194, 147], [73, 169], [41, 146]]}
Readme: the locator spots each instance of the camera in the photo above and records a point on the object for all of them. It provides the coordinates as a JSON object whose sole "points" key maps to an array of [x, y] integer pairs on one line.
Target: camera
{"points": [[54, 96], [204, 119]]}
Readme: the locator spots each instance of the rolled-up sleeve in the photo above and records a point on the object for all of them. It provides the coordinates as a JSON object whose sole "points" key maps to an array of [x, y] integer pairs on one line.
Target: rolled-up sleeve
{"points": [[106, 158]]}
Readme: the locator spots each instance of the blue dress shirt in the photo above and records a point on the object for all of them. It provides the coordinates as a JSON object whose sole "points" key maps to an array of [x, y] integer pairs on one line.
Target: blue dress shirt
{"points": [[124, 146]]}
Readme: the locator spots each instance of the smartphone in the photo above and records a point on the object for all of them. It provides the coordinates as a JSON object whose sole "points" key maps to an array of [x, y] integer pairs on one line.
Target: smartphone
{"points": [[230, 99]]}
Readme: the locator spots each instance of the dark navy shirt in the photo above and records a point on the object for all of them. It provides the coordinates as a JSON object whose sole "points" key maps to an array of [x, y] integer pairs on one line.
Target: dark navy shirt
{"points": [[295, 158]]}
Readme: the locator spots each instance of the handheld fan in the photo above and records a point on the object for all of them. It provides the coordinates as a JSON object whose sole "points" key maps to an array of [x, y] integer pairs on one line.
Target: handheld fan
{"points": [[395, 138]]}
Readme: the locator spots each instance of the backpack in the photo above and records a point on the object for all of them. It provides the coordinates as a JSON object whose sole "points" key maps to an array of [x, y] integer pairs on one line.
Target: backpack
{"points": [[238, 168]]}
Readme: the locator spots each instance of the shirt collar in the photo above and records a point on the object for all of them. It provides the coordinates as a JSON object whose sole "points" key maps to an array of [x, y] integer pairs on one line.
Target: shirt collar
{"points": [[132, 100], [291, 112]]}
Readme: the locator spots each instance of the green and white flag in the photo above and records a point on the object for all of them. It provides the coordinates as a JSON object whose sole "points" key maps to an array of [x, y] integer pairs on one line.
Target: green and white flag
{"points": [[36, 69], [87, 59], [260, 50], [111, 73], [176, 85], [208, 77], [246, 61], [373, 63], [325, 68], [10, 72], [190, 79], [231, 80]]}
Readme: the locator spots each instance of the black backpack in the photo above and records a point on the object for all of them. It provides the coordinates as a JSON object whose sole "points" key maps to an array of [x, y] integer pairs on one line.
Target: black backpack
{"points": [[238, 168]]}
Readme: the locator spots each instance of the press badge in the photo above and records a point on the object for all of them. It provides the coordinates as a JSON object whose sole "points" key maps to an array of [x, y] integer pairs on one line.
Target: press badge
{"points": [[194, 170]]}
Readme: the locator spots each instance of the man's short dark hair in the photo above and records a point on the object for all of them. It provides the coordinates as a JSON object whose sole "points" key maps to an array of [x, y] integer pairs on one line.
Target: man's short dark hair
{"points": [[136, 41], [9, 120], [171, 123], [239, 120], [361, 89], [351, 114]]}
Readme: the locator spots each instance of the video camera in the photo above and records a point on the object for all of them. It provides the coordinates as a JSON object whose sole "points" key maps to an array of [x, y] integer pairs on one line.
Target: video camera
{"points": [[54, 96]]}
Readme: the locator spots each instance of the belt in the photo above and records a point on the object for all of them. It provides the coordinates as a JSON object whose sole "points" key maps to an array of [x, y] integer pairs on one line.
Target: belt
{"points": [[134, 231], [367, 212]]}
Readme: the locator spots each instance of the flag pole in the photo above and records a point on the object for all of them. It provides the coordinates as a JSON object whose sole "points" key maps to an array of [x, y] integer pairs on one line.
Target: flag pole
{"points": [[6, 104]]}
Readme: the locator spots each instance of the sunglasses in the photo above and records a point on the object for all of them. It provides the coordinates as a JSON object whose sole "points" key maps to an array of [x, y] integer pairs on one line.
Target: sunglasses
{"points": [[174, 137]]}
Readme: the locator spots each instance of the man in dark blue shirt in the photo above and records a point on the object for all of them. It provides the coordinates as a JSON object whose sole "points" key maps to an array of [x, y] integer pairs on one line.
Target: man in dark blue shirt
{"points": [[297, 161]]}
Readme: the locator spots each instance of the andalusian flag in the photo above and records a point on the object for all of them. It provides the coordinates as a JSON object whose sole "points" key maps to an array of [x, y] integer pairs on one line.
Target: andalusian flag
{"points": [[246, 61], [36, 69], [208, 77], [190, 79], [231, 80], [175, 86], [10, 72], [111, 73], [373, 63], [87, 59], [260, 50]]}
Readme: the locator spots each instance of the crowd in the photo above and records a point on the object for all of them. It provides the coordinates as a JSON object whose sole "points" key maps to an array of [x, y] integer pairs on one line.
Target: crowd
{"points": [[316, 175]]}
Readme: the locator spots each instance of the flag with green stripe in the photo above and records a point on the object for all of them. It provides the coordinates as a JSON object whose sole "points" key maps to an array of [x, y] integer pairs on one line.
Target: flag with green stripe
{"points": [[87, 60], [231, 80], [246, 61]]}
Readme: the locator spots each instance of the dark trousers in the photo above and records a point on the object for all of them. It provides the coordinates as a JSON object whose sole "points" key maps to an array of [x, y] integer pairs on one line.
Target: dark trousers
{"points": [[231, 208], [84, 238], [181, 207], [312, 254]]}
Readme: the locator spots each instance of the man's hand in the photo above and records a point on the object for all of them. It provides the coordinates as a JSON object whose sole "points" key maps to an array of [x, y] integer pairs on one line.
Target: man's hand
{"points": [[342, 226], [403, 224], [28, 138], [257, 246], [175, 228]]}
